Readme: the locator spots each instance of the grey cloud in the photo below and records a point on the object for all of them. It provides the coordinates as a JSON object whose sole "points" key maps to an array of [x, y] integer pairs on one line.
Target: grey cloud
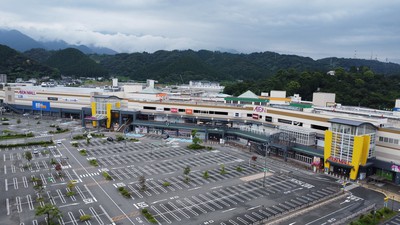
{"points": [[315, 28]]}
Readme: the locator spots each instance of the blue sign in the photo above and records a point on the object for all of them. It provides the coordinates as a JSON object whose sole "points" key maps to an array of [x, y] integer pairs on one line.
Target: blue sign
{"points": [[41, 106], [396, 109]]}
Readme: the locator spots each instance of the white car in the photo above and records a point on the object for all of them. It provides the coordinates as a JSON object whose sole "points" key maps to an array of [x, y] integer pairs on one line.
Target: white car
{"points": [[35, 151], [59, 142]]}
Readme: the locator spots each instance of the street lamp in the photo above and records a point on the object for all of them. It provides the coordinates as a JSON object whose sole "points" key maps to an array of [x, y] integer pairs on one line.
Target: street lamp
{"points": [[266, 145]]}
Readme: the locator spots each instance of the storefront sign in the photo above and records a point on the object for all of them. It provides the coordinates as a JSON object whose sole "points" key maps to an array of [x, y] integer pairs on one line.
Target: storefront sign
{"points": [[255, 116], [22, 92], [189, 111], [174, 110], [260, 109], [336, 160], [395, 168], [70, 99], [20, 96], [52, 98], [42, 106], [160, 109], [237, 114]]}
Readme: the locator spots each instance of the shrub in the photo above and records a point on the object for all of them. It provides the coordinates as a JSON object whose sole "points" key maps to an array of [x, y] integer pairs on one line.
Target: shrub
{"points": [[78, 137], [83, 152], [4, 119], [5, 123], [74, 144], [70, 193], [121, 188], [166, 184], [195, 146], [206, 175], [239, 169], [145, 211], [93, 162], [85, 217], [119, 137], [209, 148], [107, 176]]}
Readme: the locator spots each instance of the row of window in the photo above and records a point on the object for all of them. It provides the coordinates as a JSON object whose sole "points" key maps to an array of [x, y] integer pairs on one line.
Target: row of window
{"points": [[185, 111], [389, 140]]}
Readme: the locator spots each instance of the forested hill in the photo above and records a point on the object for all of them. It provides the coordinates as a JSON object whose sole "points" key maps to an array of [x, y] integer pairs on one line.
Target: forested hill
{"points": [[360, 87], [182, 66], [72, 62], [16, 65]]}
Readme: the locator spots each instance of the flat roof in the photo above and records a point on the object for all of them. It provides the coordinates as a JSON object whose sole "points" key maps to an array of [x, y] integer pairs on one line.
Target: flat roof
{"points": [[59, 89]]}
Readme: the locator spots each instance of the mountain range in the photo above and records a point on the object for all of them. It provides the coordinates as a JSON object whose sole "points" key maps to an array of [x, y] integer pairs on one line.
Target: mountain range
{"points": [[21, 42]]}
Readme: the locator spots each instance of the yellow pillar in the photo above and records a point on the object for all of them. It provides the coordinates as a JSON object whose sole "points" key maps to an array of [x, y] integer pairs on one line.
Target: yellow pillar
{"points": [[108, 111], [360, 154], [118, 104], [94, 113], [327, 147]]}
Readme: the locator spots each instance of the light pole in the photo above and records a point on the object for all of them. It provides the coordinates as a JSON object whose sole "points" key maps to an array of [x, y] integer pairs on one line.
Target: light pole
{"points": [[265, 162]]}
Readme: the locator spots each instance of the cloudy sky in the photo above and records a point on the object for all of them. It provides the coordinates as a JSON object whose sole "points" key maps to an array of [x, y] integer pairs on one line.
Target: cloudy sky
{"points": [[315, 28]]}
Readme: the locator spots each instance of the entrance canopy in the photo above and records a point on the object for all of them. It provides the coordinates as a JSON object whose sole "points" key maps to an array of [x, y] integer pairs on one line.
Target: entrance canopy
{"points": [[95, 118]]}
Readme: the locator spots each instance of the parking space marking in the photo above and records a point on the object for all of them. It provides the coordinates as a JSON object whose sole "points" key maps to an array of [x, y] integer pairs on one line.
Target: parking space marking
{"points": [[8, 206], [179, 210], [90, 193], [170, 212], [187, 207], [71, 216], [30, 203], [200, 202], [160, 214], [18, 203], [61, 196], [136, 192], [5, 169], [12, 169], [6, 184], [25, 181], [15, 183], [194, 205], [80, 192], [96, 216]]}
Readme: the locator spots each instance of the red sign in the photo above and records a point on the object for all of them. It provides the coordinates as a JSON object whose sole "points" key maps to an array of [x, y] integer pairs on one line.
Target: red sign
{"points": [[255, 116], [174, 110], [189, 111], [341, 161]]}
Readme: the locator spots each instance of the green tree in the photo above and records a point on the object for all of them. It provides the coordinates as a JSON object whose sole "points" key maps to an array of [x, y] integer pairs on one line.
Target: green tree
{"points": [[142, 183], [70, 185], [195, 139], [186, 172], [28, 156], [206, 175], [51, 211], [222, 171], [18, 121]]}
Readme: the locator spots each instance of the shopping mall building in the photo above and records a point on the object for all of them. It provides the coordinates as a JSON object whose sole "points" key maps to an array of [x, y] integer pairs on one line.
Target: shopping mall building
{"points": [[351, 142]]}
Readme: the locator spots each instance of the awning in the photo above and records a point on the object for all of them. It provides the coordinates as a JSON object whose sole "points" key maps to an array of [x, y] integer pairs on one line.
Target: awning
{"points": [[339, 164], [308, 152]]}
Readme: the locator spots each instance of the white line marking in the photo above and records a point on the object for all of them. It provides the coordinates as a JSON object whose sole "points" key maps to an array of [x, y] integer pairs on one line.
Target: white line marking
{"points": [[159, 201], [191, 189], [228, 210]]}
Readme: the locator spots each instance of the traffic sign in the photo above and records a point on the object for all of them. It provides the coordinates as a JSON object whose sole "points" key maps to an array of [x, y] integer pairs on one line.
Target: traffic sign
{"points": [[265, 169]]}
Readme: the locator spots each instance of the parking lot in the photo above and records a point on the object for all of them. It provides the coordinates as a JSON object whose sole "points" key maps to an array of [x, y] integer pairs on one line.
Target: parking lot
{"points": [[233, 191]]}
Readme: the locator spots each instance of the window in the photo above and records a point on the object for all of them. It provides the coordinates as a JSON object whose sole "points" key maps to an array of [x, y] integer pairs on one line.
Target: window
{"points": [[268, 118], [149, 107], [317, 127], [284, 121]]}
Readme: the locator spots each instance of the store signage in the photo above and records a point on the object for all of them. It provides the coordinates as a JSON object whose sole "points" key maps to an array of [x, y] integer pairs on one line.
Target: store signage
{"points": [[42, 106], [22, 92], [174, 110], [395, 168], [341, 161], [260, 109], [161, 109], [255, 116], [237, 114], [189, 111], [20, 96], [70, 99], [52, 98]]}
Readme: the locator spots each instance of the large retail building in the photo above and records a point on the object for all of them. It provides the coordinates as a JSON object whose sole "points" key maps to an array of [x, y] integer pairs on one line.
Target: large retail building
{"points": [[352, 142]]}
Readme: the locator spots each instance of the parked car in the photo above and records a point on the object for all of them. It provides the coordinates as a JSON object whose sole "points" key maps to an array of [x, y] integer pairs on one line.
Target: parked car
{"points": [[110, 139], [35, 151]]}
